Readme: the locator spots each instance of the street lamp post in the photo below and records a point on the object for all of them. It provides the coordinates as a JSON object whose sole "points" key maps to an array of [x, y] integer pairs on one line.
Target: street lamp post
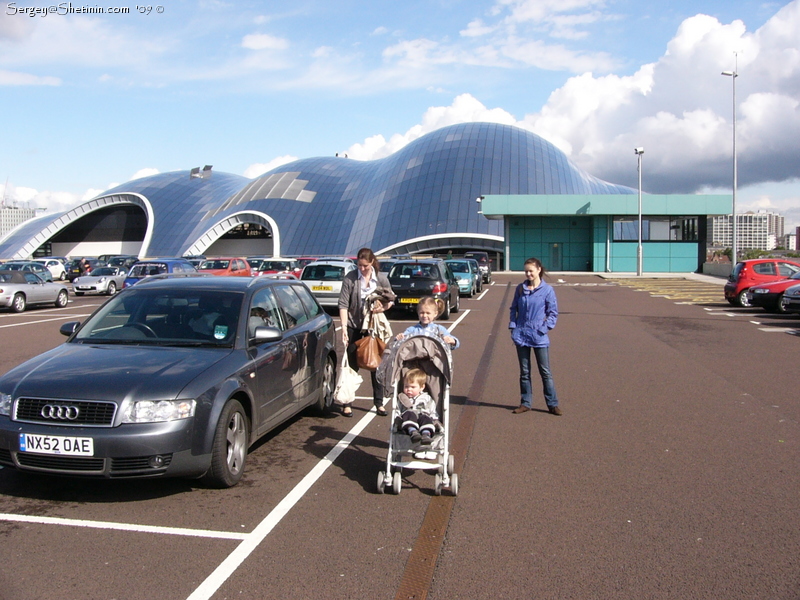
{"points": [[639, 152], [733, 75]]}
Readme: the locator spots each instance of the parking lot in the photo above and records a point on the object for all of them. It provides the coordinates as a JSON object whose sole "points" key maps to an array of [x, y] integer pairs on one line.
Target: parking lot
{"points": [[672, 474]]}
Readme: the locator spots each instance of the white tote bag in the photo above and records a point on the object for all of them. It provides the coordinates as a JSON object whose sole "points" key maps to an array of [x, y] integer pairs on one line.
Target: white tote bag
{"points": [[347, 383]]}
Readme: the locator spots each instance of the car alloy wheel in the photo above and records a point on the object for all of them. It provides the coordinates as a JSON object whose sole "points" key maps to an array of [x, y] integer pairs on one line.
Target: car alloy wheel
{"points": [[229, 452]]}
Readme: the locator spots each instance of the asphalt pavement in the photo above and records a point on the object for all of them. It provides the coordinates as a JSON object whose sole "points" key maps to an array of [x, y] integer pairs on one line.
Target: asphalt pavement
{"points": [[672, 474]]}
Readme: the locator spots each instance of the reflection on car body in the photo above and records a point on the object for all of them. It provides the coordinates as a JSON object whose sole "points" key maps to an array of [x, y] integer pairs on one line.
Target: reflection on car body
{"points": [[186, 373]]}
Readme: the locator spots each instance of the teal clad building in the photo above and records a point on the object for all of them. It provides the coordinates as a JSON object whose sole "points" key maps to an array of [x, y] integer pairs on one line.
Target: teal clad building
{"points": [[599, 232]]}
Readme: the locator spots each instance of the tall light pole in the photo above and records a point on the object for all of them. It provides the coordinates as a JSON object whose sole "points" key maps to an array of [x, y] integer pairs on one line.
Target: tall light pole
{"points": [[639, 152], [733, 75]]}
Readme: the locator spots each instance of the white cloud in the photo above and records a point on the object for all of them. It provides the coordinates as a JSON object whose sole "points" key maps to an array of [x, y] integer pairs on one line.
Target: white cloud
{"points": [[146, 172], [464, 109], [263, 41], [258, 169], [14, 78], [679, 109]]}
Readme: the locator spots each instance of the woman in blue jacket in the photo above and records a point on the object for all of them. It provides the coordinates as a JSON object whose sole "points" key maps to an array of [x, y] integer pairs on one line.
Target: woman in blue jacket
{"points": [[534, 312]]}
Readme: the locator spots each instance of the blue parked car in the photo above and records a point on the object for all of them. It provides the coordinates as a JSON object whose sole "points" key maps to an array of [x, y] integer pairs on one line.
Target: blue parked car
{"points": [[157, 266], [469, 280]]}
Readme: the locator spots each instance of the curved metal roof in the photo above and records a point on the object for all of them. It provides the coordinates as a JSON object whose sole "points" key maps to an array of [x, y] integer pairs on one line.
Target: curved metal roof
{"points": [[333, 205]]}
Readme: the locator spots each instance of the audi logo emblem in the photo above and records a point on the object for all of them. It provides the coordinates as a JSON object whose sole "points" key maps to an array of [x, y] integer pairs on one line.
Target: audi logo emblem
{"points": [[60, 412]]}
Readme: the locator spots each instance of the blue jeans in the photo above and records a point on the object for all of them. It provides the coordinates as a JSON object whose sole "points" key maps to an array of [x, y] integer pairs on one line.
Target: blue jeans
{"points": [[543, 362]]}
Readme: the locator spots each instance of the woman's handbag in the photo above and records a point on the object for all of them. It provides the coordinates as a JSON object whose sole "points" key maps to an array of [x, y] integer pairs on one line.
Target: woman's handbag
{"points": [[369, 350], [347, 383]]}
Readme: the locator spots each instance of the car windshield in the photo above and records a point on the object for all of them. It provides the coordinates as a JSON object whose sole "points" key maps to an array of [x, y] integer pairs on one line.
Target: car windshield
{"points": [[280, 265], [323, 273], [117, 261], [414, 270], [459, 267], [145, 269], [214, 264], [103, 271], [165, 318]]}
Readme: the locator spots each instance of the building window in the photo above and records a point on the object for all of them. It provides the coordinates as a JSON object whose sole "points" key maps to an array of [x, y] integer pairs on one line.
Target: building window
{"points": [[656, 229]]}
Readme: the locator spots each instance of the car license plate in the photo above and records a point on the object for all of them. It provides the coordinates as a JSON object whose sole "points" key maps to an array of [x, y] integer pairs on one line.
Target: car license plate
{"points": [[56, 444], [322, 288], [409, 300]]}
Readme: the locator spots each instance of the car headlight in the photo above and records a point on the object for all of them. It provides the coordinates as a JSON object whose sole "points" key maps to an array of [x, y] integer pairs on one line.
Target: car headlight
{"points": [[101, 280], [5, 404], [158, 411], [760, 291]]}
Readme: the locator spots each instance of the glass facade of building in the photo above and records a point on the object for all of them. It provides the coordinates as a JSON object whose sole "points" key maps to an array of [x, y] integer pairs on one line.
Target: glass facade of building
{"points": [[336, 205]]}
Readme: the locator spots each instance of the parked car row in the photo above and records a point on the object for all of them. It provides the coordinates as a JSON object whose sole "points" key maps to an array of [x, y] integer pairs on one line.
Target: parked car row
{"points": [[762, 282]]}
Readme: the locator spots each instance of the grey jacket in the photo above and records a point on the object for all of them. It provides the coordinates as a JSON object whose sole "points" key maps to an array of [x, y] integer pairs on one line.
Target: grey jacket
{"points": [[350, 296]]}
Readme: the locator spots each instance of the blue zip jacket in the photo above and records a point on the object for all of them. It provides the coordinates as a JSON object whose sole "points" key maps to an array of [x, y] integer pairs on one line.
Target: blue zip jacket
{"points": [[533, 313]]}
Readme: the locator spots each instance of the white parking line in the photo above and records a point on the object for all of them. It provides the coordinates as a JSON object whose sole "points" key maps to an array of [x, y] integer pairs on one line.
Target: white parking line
{"points": [[224, 535], [213, 582]]}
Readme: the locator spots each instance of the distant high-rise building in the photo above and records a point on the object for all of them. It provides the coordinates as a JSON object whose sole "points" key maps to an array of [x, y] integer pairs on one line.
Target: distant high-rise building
{"points": [[754, 231], [10, 217]]}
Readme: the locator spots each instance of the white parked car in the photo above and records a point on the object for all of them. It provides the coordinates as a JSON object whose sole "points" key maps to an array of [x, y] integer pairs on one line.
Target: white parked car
{"points": [[56, 267], [324, 279]]}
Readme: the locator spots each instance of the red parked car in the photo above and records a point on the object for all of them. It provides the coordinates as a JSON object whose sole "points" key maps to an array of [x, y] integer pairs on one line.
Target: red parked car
{"points": [[226, 266], [769, 296], [756, 271]]}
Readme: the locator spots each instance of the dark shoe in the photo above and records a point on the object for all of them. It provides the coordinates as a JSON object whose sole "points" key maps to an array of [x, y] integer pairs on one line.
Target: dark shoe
{"points": [[554, 410], [415, 436], [426, 438], [381, 411], [521, 409], [347, 411]]}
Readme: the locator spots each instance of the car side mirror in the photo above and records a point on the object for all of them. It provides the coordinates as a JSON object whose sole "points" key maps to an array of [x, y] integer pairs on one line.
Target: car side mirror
{"points": [[266, 334], [68, 329]]}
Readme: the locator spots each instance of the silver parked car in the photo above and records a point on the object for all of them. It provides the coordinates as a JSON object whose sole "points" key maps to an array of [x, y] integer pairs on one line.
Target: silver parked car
{"points": [[19, 289], [186, 374], [324, 279], [102, 280]]}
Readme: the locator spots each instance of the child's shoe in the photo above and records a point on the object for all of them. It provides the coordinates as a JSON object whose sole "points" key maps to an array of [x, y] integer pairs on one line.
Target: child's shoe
{"points": [[415, 436], [426, 438]]}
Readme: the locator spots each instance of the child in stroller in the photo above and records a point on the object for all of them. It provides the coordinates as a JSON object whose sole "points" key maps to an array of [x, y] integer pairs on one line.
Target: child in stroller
{"points": [[418, 419], [429, 354]]}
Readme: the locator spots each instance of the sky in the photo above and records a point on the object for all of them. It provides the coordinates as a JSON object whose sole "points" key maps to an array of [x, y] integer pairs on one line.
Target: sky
{"points": [[94, 100]]}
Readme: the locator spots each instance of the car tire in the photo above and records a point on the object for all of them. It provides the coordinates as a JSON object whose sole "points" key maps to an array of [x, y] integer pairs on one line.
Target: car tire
{"points": [[62, 299], [19, 303], [779, 308], [62, 277], [742, 299], [111, 289], [457, 307], [446, 311], [229, 451], [328, 385]]}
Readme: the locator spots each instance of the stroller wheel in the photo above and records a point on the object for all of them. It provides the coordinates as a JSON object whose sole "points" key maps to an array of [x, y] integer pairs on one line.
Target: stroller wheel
{"points": [[381, 482], [437, 484], [451, 462], [397, 483], [454, 484]]}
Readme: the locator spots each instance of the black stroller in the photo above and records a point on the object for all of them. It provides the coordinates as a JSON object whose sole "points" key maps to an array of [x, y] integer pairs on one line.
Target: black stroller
{"points": [[432, 355]]}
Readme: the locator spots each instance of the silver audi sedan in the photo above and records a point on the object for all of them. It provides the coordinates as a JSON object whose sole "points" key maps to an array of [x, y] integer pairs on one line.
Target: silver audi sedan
{"points": [[186, 373]]}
